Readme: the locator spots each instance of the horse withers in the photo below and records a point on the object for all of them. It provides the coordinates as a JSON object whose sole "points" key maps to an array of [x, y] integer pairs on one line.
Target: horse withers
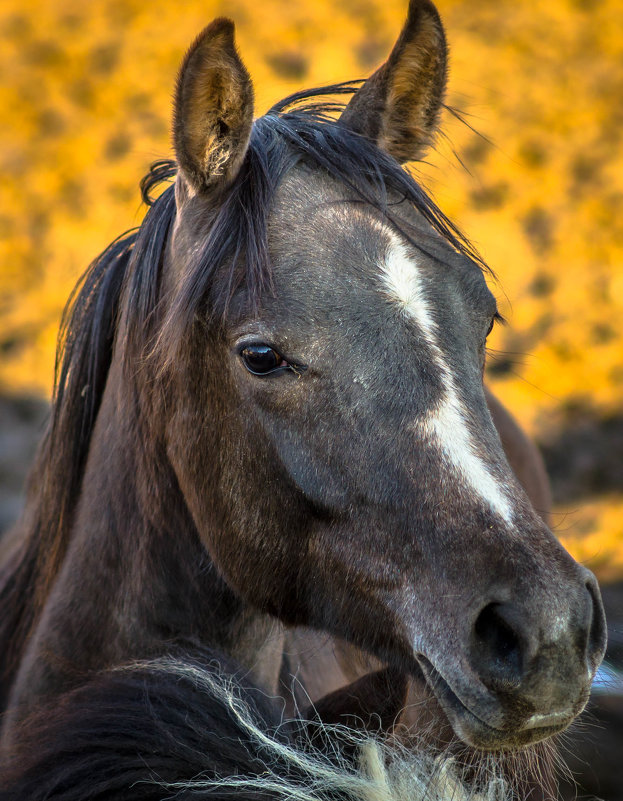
{"points": [[270, 411]]}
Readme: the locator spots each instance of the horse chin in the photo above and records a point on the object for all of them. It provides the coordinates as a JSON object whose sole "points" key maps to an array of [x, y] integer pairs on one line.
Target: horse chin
{"points": [[478, 734]]}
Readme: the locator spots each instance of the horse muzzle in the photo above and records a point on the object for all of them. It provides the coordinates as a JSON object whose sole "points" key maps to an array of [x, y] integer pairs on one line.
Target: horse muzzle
{"points": [[520, 679]]}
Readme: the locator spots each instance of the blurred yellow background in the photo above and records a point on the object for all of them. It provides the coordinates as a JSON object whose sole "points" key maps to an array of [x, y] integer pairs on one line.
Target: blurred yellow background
{"points": [[85, 96]]}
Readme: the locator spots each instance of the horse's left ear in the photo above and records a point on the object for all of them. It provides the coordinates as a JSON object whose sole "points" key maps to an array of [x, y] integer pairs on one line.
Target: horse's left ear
{"points": [[398, 106], [213, 111]]}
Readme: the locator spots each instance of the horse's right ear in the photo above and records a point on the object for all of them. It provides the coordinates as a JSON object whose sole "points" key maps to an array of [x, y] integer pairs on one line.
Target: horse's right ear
{"points": [[213, 111], [398, 106]]}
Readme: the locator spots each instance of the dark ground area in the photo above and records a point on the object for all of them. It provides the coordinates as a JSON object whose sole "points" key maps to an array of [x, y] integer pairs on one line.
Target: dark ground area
{"points": [[584, 456]]}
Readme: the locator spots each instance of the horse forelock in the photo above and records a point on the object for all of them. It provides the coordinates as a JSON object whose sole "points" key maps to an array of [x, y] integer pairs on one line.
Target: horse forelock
{"points": [[235, 251]]}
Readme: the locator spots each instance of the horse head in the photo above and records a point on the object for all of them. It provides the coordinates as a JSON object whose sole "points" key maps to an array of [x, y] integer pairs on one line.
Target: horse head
{"points": [[322, 338]]}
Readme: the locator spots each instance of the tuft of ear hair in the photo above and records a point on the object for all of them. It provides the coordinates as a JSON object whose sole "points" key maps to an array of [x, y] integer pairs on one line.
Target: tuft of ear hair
{"points": [[213, 109], [398, 106]]}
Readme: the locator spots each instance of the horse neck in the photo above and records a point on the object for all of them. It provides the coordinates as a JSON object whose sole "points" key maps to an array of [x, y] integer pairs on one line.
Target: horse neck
{"points": [[136, 575]]}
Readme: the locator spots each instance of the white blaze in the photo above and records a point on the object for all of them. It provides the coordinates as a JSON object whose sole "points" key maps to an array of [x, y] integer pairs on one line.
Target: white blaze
{"points": [[446, 424]]}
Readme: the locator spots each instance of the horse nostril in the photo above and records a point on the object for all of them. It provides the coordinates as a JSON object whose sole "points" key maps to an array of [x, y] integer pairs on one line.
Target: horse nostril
{"points": [[497, 649], [596, 644]]}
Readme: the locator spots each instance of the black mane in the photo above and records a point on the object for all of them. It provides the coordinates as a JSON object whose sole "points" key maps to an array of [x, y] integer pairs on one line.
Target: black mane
{"points": [[124, 283]]}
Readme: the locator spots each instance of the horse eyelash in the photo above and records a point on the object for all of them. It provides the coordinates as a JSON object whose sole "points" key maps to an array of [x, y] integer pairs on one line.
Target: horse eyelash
{"points": [[499, 318]]}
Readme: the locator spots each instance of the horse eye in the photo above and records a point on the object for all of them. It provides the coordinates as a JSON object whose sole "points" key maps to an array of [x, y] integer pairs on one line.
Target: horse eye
{"points": [[261, 359], [490, 329]]}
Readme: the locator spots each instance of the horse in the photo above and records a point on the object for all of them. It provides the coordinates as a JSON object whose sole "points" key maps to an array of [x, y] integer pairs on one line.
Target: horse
{"points": [[269, 412]]}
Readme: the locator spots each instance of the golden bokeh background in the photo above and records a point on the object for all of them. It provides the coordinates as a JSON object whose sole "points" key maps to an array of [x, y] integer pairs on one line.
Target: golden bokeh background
{"points": [[85, 95]]}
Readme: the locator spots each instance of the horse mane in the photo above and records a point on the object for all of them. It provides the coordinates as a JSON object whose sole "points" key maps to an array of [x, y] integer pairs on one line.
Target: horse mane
{"points": [[188, 726], [84, 354], [124, 283]]}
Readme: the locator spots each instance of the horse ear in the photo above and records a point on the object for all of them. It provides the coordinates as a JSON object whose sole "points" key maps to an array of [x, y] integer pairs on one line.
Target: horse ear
{"points": [[398, 106], [213, 111]]}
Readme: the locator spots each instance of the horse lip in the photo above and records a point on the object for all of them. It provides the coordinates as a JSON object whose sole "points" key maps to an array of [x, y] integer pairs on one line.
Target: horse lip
{"points": [[561, 719], [478, 733], [446, 695]]}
